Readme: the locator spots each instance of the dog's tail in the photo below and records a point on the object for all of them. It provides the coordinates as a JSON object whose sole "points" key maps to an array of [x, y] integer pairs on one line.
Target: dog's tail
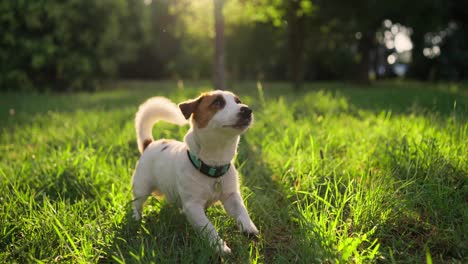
{"points": [[152, 111]]}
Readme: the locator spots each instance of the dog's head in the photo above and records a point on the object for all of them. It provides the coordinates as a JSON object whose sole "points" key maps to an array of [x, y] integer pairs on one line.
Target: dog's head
{"points": [[218, 110]]}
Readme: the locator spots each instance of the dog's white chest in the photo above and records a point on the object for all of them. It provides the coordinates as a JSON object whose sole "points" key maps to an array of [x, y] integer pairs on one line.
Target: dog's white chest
{"points": [[216, 192]]}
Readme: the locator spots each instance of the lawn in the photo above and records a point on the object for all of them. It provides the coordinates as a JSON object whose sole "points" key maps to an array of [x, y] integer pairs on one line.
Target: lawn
{"points": [[331, 173]]}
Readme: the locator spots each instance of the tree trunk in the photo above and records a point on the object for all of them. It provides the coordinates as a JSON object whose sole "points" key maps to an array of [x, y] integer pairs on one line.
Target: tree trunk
{"points": [[296, 43], [218, 66], [365, 48], [419, 68]]}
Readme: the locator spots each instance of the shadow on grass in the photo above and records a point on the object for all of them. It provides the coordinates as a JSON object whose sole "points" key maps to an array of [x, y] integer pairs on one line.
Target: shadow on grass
{"points": [[68, 186], [433, 210], [20, 108], [399, 98], [273, 211], [163, 236], [23, 109], [405, 98], [395, 97]]}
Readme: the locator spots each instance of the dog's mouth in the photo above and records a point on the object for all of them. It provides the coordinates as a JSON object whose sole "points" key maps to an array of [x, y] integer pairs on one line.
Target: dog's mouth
{"points": [[242, 123]]}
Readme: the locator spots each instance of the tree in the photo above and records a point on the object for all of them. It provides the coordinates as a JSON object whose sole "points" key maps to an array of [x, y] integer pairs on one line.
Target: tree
{"points": [[218, 65], [291, 16], [63, 45], [158, 46], [366, 16], [297, 35]]}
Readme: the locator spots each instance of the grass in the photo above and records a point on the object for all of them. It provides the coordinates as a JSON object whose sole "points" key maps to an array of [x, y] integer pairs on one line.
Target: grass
{"points": [[332, 173]]}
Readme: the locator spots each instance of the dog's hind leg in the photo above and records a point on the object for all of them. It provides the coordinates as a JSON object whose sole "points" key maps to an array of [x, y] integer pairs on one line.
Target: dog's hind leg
{"points": [[138, 206], [141, 191]]}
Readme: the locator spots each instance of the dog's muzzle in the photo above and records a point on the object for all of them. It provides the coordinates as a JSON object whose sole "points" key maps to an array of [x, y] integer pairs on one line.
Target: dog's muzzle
{"points": [[245, 118], [245, 112]]}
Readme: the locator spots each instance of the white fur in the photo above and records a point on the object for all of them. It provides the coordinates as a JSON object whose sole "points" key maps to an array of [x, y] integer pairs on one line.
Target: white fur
{"points": [[170, 172], [151, 111]]}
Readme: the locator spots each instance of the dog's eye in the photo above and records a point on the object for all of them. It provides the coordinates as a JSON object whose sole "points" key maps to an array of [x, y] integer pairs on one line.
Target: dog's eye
{"points": [[218, 102], [237, 100]]}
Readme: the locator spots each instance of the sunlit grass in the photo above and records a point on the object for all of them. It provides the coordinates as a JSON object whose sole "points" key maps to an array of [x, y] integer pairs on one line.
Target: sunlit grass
{"points": [[333, 173]]}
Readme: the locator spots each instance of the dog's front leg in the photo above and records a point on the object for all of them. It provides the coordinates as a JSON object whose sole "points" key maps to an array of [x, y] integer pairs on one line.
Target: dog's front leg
{"points": [[234, 206], [197, 217]]}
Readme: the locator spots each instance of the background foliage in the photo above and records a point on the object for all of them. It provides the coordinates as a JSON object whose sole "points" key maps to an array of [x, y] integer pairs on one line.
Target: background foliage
{"points": [[66, 45], [72, 45]]}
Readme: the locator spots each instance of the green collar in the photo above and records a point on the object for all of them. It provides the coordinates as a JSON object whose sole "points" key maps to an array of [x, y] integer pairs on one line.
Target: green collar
{"points": [[210, 171]]}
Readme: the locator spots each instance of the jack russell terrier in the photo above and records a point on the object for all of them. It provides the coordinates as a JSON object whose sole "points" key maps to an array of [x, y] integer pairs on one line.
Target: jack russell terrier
{"points": [[199, 171]]}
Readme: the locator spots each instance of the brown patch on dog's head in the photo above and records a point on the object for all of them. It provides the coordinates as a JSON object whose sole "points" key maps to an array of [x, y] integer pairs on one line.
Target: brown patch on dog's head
{"points": [[146, 143], [209, 105], [203, 108]]}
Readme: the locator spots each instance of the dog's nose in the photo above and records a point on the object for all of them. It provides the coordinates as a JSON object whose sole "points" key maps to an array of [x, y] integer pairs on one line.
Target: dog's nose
{"points": [[245, 111]]}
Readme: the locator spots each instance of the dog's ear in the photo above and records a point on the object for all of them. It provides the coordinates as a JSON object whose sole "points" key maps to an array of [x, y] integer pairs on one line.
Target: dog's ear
{"points": [[188, 107]]}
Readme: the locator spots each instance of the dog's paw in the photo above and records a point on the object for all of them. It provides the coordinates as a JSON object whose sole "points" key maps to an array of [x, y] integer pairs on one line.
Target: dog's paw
{"points": [[222, 248], [225, 249], [136, 215], [251, 232], [252, 236], [250, 229]]}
